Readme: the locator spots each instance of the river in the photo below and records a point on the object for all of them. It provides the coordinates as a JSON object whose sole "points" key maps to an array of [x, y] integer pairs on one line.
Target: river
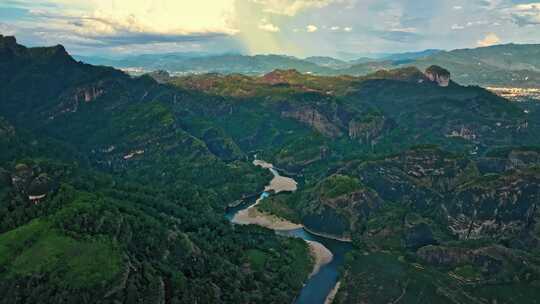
{"points": [[320, 284]]}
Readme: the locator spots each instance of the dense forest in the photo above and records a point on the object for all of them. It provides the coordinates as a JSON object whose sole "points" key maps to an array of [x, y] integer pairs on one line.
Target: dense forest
{"points": [[114, 188], [87, 216]]}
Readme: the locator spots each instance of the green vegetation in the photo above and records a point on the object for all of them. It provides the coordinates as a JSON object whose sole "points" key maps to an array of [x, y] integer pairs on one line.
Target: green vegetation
{"points": [[337, 185], [37, 249], [133, 200], [114, 188], [282, 205]]}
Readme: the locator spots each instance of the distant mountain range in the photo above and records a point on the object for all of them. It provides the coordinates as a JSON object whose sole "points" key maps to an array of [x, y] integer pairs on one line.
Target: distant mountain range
{"points": [[509, 65]]}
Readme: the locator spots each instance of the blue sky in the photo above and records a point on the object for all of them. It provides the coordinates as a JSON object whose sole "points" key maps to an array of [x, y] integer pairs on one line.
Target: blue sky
{"points": [[294, 27]]}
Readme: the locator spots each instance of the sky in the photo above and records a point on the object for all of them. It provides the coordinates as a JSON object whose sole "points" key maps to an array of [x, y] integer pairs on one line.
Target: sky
{"points": [[339, 28]]}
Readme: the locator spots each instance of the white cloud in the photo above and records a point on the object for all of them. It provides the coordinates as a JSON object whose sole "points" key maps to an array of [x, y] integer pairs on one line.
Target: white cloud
{"points": [[6, 29], [458, 7], [476, 23], [526, 14], [311, 28], [489, 39], [267, 26], [142, 16], [292, 7], [404, 29], [338, 28], [456, 27]]}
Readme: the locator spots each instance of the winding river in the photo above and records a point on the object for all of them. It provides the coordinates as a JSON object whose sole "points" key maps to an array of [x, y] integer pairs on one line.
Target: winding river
{"points": [[329, 253]]}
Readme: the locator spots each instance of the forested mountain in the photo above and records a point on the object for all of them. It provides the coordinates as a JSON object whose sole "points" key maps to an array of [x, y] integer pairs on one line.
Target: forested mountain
{"points": [[224, 63], [106, 198], [509, 65], [113, 188]]}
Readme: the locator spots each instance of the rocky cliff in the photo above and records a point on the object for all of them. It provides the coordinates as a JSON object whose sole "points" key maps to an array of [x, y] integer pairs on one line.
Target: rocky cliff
{"points": [[314, 119], [439, 75], [340, 205], [367, 130]]}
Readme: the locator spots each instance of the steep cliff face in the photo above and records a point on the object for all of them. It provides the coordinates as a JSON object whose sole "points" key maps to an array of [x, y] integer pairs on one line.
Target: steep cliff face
{"points": [[495, 206], [9, 47], [314, 119], [420, 176], [519, 159], [439, 75], [88, 94], [368, 130], [71, 100], [468, 203], [339, 206], [487, 261]]}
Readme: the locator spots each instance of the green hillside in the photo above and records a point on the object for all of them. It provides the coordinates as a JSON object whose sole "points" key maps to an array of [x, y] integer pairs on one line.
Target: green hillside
{"points": [[113, 189]]}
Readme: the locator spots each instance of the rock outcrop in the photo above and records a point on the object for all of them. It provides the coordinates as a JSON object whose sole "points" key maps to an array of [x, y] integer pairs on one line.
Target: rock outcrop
{"points": [[367, 130], [419, 236], [339, 206], [314, 119], [29, 181], [9, 46], [497, 207], [88, 94], [439, 75], [280, 76], [454, 256]]}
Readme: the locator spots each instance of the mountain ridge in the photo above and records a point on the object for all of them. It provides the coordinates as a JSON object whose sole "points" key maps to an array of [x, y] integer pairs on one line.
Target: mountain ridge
{"points": [[433, 184]]}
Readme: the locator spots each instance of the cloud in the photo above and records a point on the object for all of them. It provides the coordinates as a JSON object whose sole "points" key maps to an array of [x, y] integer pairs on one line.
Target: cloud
{"points": [[267, 26], [526, 14], [169, 17], [311, 28], [293, 7], [404, 29], [476, 23], [339, 28], [6, 29], [130, 38], [396, 35], [489, 39]]}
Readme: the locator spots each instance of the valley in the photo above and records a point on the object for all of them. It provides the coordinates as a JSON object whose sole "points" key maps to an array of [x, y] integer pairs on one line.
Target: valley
{"points": [[423, 188], [327, 260]]}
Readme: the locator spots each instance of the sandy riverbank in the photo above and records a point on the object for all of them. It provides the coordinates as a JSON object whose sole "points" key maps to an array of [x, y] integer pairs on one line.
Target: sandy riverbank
{"points": [[321, 256], [278, 183], [332, 295], [253, 216]]}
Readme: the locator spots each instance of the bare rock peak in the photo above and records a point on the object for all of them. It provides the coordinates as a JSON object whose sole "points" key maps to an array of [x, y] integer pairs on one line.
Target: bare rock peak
{"points": [[439, 75]]}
